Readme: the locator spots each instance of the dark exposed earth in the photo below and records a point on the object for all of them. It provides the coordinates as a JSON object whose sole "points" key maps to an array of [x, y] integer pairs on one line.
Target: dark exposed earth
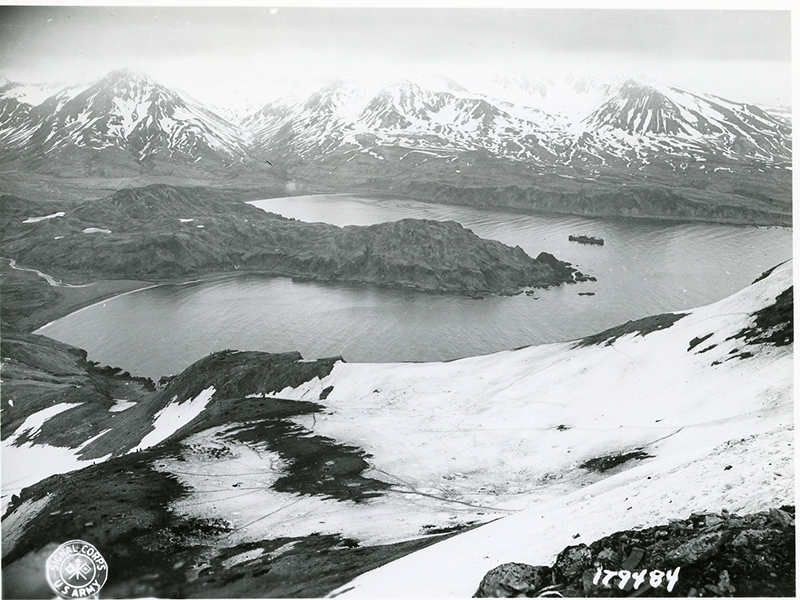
{"points": [[707, 554]]}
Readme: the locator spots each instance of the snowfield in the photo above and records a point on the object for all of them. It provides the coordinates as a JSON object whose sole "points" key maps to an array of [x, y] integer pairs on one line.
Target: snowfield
{"points": [[641, 497], [237, 490], [509, 430], [543, 447], [510, 435], [28, 462]]}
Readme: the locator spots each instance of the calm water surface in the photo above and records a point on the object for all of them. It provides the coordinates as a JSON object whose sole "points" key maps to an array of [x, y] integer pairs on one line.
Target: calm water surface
{"points": [[644, 268]]}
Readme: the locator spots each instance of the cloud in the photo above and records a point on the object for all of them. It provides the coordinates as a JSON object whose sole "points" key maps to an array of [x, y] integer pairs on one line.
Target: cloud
{"points": [[229, 51]]}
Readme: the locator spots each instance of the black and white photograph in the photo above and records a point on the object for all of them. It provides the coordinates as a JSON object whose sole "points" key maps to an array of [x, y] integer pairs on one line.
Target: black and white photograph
{"points": [[384, 300]]}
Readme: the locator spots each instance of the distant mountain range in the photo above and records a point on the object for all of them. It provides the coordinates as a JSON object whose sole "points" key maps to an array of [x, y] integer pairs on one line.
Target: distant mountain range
{"points": [[581, 123], [553, 134]]}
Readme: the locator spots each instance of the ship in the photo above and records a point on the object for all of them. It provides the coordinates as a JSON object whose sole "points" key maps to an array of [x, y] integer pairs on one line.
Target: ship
{"points": [[586, 239]]}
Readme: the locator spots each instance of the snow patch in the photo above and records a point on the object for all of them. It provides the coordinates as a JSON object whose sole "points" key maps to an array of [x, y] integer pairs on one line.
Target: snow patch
{"points": [[174, 416], [60, 213], [32, 425], [236, 487], [244, 557], [29, 463], [121, 405], [96, 230]]}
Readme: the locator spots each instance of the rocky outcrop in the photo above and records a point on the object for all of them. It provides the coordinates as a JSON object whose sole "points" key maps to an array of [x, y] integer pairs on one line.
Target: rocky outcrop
{"points": [[708, 554]]}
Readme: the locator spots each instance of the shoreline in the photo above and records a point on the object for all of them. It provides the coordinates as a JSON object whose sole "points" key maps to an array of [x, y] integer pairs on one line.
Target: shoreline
{"points": [[116, 288], [70, 302], [660, 219], [517, 210], [108, 289]]}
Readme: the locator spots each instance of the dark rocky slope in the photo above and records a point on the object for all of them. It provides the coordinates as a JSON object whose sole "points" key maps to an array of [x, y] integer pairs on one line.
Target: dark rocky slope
{"points": [[718, 555], [123, 504], [610, 198], [717, 190], [165, 232]]}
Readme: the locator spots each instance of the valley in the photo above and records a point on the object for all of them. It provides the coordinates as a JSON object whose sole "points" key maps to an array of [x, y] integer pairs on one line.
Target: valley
{"points": [[341, 344]]}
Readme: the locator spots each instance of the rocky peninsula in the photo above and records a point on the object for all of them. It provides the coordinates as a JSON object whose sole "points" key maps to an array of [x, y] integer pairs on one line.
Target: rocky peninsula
{"points": [[163, 232]]}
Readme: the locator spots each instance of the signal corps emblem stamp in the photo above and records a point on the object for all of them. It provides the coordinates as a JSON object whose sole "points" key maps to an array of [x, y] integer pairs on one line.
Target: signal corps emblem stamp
{"points": [[76, 570]]}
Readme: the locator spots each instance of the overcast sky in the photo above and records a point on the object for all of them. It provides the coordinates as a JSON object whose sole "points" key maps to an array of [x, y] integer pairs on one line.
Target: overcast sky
{"points": [[225, 55]]}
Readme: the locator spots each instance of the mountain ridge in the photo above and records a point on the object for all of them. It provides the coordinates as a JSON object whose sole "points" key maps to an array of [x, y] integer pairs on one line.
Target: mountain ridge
{"points": [[404, 134]]}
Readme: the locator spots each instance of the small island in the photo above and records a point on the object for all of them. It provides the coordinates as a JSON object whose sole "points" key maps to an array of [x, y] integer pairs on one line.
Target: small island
{"points": [[586, 239]]}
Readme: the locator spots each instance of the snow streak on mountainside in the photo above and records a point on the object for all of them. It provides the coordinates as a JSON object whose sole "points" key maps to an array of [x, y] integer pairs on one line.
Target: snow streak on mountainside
{"points": [[124, 113], [548, 121]]}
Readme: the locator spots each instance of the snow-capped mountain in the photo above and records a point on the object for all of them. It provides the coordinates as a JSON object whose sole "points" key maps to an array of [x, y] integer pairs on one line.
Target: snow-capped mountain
{"points": [[517, 135], [17, 103], [672, 118], [550, 120], [345, 120], [126, 113], [547, 122]]}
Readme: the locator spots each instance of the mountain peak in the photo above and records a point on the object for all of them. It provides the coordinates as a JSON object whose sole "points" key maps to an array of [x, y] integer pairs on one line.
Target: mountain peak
{"points": [[639, 108], [129, 83], [638, 85], [127, 75]]}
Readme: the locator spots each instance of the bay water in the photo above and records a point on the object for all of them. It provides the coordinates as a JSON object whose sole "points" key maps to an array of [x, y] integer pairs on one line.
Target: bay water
{"points": [[644, 268]]}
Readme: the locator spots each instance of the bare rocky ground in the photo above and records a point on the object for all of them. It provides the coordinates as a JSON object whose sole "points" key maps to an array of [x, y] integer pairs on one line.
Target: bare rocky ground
{"points": [[708, 554]]}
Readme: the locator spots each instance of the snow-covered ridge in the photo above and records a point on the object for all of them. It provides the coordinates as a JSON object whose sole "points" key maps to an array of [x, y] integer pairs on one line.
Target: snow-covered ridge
{"points": [[513, 429], [547, 120], [33, 94]]}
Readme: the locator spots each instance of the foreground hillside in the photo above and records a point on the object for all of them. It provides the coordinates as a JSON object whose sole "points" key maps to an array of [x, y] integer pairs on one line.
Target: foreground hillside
{"points": [[252, 474], [166, 232]]}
